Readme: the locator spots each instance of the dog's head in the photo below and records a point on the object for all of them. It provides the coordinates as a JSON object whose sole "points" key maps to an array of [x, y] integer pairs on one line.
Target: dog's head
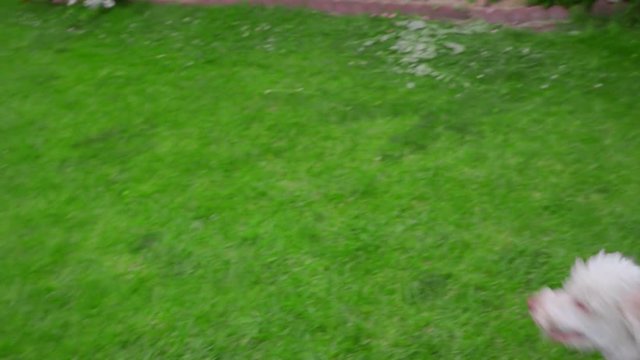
{"points": [[597, 309]]}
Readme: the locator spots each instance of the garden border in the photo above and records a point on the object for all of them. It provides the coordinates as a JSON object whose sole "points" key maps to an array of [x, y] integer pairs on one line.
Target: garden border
{"points": [[532, 17], [536, 17]]}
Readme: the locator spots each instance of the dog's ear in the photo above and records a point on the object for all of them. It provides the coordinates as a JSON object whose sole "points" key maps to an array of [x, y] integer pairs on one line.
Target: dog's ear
{"points": [[579, 262], [578, 266], [631, 312]]}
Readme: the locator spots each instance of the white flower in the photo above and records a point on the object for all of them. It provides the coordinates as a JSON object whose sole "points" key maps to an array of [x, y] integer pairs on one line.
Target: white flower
{"points": [[92, 3]]}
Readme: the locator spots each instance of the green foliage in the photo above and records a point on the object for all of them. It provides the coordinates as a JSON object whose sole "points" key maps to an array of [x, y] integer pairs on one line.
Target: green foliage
{"points": [[628, 15], [565, 3]]}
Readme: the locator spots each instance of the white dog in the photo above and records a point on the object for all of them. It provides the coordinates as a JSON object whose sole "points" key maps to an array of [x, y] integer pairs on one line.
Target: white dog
{"points": [[597, 309]]}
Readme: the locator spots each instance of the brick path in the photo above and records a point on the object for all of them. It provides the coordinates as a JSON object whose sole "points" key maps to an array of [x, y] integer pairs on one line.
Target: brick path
{"points": [[535, 17], [506, 12]]}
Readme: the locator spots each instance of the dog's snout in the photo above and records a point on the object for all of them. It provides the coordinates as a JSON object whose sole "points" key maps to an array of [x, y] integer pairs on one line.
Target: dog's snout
{"points": [[532, 303]]}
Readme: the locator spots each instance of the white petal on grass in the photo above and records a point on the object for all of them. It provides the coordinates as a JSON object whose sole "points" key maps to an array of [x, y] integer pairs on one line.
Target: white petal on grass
{"points": [[422, 70], [455, 47], [416, 25]]}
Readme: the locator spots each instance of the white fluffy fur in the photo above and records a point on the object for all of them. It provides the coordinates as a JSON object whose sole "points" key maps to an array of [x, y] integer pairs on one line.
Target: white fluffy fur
{"points": [[597, 309]]}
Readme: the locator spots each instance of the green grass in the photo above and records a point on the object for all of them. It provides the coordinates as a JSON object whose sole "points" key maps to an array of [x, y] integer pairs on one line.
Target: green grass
{"points": [[188, 183]]}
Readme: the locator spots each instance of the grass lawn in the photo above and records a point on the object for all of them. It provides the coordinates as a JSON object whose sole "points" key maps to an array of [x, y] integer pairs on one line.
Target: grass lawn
{"points": [[251, 183]]}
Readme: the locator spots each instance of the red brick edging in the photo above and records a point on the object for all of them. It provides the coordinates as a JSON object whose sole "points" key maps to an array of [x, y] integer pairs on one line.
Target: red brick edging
{"points": [[536, 17]]}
